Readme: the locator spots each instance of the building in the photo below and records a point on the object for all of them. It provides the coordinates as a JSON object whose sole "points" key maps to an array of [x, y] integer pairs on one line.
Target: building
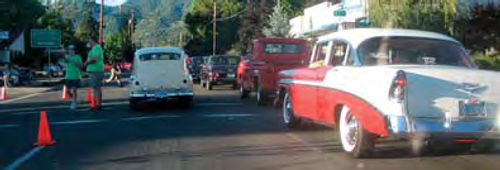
{"points": [[320, 19]]}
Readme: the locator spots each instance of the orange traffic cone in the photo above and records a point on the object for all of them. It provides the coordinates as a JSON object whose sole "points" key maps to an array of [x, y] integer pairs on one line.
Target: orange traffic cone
{"points": [[65, 92], [44, 137], [89, 95], [93, 103], [4, 95]]}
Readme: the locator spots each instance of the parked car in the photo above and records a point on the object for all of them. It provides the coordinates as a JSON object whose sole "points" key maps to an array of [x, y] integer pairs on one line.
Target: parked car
{"points": [[195, 68], [408, 84], [219, 70], [160, 74], [259, 73], [17, 76]]}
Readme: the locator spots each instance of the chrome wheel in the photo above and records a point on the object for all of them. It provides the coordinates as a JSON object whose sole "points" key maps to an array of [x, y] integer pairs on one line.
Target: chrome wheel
{"points": [[349, 129]]}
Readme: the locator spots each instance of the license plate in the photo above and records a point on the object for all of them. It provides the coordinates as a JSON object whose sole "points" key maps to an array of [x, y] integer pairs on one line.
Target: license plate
{"points": [[231, 75], [472, 109]]}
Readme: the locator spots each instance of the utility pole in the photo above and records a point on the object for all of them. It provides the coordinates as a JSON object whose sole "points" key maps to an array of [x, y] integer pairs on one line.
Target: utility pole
{"points": [[101, 18], [214, 30]]}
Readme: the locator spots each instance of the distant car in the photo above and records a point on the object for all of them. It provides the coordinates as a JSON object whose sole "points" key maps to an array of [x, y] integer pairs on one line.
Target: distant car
{"points": [[406, 84], [160, 74], [259, 72], [219, 70]]}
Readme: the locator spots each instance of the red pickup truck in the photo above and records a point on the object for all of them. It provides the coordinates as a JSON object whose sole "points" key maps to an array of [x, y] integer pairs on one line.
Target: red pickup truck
{"points": [[259, 71]]}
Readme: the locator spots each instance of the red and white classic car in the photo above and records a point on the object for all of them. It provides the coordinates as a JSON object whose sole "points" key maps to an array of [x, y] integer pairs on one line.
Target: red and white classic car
{"points": [[378, 83]]}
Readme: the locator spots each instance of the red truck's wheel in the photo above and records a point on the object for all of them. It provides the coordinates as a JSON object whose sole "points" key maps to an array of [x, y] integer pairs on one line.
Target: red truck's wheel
{"points": [[261, 96], [289, 118]]}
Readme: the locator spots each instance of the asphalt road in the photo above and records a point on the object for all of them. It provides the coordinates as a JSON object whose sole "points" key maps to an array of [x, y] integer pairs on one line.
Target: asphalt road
{"points": [[220, 132]]}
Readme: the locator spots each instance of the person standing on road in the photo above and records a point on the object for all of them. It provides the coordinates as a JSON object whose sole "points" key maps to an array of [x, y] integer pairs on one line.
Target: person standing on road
{"points": [[72, 79], [95, 69]]}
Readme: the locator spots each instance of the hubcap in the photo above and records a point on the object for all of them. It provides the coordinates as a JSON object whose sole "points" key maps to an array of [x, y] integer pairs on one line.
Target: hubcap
{"points": [[349, 129]]}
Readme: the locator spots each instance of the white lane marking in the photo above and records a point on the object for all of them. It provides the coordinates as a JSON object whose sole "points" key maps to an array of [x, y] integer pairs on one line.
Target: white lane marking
{"points": [[77, 122], [24, 158], [218, 104], [8, 126], [228, 115], [20, 98], [149, 117]]}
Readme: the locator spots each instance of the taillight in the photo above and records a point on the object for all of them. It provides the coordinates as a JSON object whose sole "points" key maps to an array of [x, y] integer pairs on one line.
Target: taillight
{"points": [[213, 74], [398, 87]]}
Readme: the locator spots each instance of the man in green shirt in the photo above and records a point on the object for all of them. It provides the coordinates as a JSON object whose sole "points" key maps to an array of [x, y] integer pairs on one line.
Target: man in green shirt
{"points": [[95, 68], [73, 75]]}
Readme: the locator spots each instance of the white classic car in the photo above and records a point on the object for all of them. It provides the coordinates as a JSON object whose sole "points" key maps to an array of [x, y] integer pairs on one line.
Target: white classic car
{"points": [[160, 74], [378, 83]]}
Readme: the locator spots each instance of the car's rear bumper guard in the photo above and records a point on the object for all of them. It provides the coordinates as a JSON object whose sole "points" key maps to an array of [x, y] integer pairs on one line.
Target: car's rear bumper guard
{"points": [[403, 126], [150, 95]]}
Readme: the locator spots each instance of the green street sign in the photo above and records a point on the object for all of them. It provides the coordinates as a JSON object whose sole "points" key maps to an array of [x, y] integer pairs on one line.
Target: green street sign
{"points": [[339, 13], [45, 38]]}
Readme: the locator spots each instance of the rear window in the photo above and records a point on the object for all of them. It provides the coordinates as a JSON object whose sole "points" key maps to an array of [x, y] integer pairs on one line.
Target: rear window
{"points": [[282, 48], [160, 56], [224, 60]]}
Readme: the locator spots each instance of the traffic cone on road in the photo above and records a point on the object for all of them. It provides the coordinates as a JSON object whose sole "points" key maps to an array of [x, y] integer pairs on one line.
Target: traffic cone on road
{"points": [[44, 137], [4, 95], [93, 103], [65, 92], [89, 95]]}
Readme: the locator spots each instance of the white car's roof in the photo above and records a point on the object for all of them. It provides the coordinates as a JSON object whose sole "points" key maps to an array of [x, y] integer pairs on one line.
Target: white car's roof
{"points": [[158, 49], [358, 35]]}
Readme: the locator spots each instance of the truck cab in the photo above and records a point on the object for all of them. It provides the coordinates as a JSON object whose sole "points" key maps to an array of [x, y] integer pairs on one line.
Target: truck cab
{"points": [[258, 72]]}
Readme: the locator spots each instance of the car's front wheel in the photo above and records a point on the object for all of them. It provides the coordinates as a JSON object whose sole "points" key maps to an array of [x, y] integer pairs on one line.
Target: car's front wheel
{"points": [[243, 92], [354, 138], [289, 118]]}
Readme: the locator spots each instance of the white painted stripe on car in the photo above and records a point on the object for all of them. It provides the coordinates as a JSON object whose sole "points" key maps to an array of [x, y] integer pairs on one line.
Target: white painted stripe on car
{"points": [[150, 117], [8, 126], [19, 161], [304, 82], [77, 122], [26, 113], [228, 115]]}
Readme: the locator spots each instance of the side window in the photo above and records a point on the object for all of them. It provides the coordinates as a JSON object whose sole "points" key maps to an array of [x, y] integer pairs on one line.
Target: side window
{"points": [[322, 51], [319, 55], [339, 51]]}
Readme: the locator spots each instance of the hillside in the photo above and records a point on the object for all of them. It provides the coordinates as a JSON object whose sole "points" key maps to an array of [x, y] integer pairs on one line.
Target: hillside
{"points": [[152, 15]]}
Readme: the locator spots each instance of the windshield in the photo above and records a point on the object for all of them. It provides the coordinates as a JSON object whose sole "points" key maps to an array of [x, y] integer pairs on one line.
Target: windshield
{"points": [[281, 48], [411, 51], [160, 56], [224, 60]]}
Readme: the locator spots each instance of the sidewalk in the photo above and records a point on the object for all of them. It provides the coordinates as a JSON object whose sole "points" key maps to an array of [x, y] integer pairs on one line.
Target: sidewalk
{"points": [[16, 92]]}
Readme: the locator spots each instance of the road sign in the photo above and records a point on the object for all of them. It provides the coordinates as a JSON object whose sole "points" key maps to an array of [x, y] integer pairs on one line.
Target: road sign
{"points": [[4, 35], [44, 38], [339, 13]]}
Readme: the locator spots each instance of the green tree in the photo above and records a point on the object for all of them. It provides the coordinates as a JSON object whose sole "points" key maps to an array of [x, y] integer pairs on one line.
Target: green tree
{"points": [[278, 23], [53, 19], [437, 16], [254, 19], [198, 21], [88, 26], [19, 14]]}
